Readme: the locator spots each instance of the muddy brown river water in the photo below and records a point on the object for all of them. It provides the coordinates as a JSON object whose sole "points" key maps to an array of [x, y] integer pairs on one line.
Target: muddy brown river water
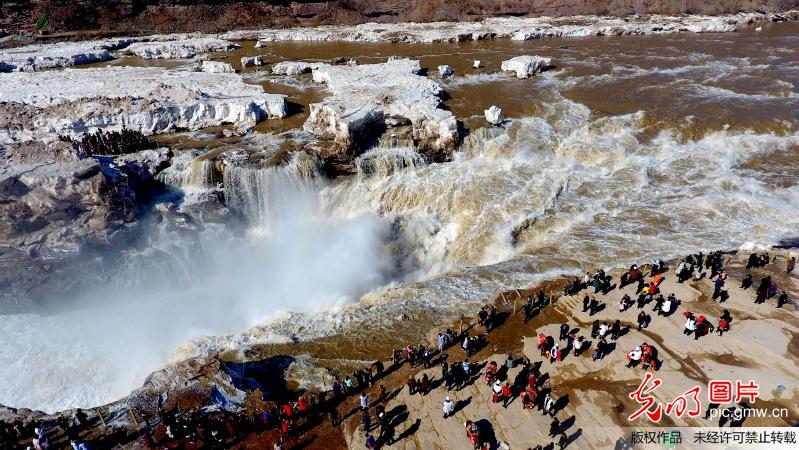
{"points": [[745, 80]]}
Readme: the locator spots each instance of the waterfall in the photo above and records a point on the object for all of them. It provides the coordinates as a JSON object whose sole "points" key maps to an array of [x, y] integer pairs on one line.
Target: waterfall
{"points": [[262, 194], [192, 172], [383, 162]]}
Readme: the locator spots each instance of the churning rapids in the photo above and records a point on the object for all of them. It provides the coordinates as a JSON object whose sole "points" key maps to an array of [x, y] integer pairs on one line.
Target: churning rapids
{"points": [[631, 148]]}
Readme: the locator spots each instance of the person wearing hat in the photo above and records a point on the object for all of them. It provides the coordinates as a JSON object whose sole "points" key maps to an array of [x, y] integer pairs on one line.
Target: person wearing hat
{"points": [[634, 357], [554, 354], [449, 407], [497, 388]]}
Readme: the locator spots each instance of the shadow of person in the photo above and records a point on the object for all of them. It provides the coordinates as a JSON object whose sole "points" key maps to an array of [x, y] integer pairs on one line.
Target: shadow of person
{"points": [[460, 404], [487, 435], [573, 437], [568, 423], [410, 431], [502, 373], [560, 404], [398, 419], [740, 416], [499, 320]]}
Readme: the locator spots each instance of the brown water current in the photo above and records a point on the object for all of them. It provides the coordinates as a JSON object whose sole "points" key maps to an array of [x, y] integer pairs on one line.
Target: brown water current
{"points": [[695, 82]]}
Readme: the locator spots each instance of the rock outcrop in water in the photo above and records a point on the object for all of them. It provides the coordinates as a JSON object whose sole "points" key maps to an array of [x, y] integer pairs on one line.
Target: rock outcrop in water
{"points": [[526, 66], [445, 70], [216, 67], [45, 199], [40, 106], [493, 115], [294, 67], [252, 61], [369, 98], [184, 48]]}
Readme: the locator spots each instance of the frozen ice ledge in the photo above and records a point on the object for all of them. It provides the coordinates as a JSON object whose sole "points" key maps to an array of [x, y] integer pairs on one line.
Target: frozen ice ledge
{"points": [[372, 97], [36, 57], [517, 28], [42, 105], [45, 56]]}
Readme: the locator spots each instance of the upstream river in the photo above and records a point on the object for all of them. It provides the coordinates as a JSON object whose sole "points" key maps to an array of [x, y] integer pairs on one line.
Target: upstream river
{"points": [[630, 149]]}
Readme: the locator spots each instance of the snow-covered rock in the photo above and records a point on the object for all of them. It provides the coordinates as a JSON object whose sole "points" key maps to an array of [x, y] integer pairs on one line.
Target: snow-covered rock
{"points": [[445, 70], [179, 49], [493, 115], [525, 66], [63, 54], [294, 67], [251, 61], [477, 64], [216, 67], [369, 96], [750, 247], [519, 28], [143, 165], [39, 106]]}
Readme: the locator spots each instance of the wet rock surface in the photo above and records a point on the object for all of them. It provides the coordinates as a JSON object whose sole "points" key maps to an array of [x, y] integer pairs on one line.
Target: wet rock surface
{"points": [[54, 212]]}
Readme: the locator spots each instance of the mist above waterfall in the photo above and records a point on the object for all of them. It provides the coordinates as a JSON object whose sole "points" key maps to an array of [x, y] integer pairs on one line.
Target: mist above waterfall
{"points": [[185, 285]]}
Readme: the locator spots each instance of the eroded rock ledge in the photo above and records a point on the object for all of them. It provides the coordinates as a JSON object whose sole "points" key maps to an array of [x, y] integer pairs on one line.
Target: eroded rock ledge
{"points": [[55, 210]]}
